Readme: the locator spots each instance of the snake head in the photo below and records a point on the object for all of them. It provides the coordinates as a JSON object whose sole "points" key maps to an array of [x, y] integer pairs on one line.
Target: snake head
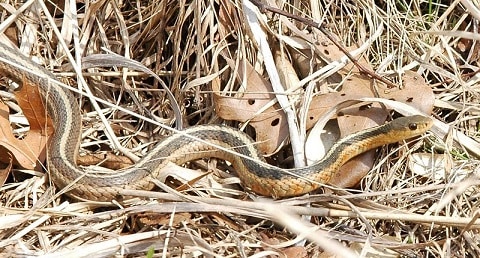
{"points": [[409, 126]]}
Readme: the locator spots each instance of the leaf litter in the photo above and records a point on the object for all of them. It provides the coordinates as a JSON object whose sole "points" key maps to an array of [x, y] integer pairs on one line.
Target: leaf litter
{"points": [[211, 69]]}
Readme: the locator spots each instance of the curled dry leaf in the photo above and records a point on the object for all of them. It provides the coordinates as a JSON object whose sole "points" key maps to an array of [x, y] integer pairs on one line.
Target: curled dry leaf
{"points": [[27, 151]]}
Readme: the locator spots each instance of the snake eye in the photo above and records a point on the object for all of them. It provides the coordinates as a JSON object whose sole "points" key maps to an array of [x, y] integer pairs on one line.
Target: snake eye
{"points": [[412, 126]]}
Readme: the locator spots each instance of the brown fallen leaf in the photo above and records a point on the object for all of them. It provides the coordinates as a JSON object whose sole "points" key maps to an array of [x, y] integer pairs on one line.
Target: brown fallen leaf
{"points": [[270, 125], [153, 218], [31, 149], [295, 252], [4, 172], [11, 146]]}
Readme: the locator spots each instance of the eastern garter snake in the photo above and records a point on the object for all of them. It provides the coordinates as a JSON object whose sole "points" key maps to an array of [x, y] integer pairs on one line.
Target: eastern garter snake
{"points": [[255, 174]]}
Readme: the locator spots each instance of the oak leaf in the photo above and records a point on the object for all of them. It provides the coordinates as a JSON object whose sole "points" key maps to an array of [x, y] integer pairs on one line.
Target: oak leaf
{"points": [[30, 150]]}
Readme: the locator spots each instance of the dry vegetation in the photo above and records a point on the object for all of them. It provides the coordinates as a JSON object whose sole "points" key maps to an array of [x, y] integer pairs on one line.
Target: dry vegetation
{"points": [[392, 213]]}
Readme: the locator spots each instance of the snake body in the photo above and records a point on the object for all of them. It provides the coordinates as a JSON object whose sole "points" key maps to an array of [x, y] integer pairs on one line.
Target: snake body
{"points": [[254, 172]]}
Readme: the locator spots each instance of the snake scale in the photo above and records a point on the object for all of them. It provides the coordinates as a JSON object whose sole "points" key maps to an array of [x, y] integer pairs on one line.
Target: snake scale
{"points": [[255, 173]]}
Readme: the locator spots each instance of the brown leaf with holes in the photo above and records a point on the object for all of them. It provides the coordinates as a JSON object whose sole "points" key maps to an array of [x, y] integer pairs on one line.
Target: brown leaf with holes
{"points": [[415, 92], [270, 125], [331, 53], [27, 151]]}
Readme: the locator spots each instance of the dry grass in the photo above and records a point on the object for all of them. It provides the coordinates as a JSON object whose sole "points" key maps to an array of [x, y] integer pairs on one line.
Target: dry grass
{"points": [[393, 212]]}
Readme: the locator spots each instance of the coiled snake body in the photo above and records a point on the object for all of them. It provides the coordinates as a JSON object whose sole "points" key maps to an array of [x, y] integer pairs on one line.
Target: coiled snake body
{"points": [[254, 173]]}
